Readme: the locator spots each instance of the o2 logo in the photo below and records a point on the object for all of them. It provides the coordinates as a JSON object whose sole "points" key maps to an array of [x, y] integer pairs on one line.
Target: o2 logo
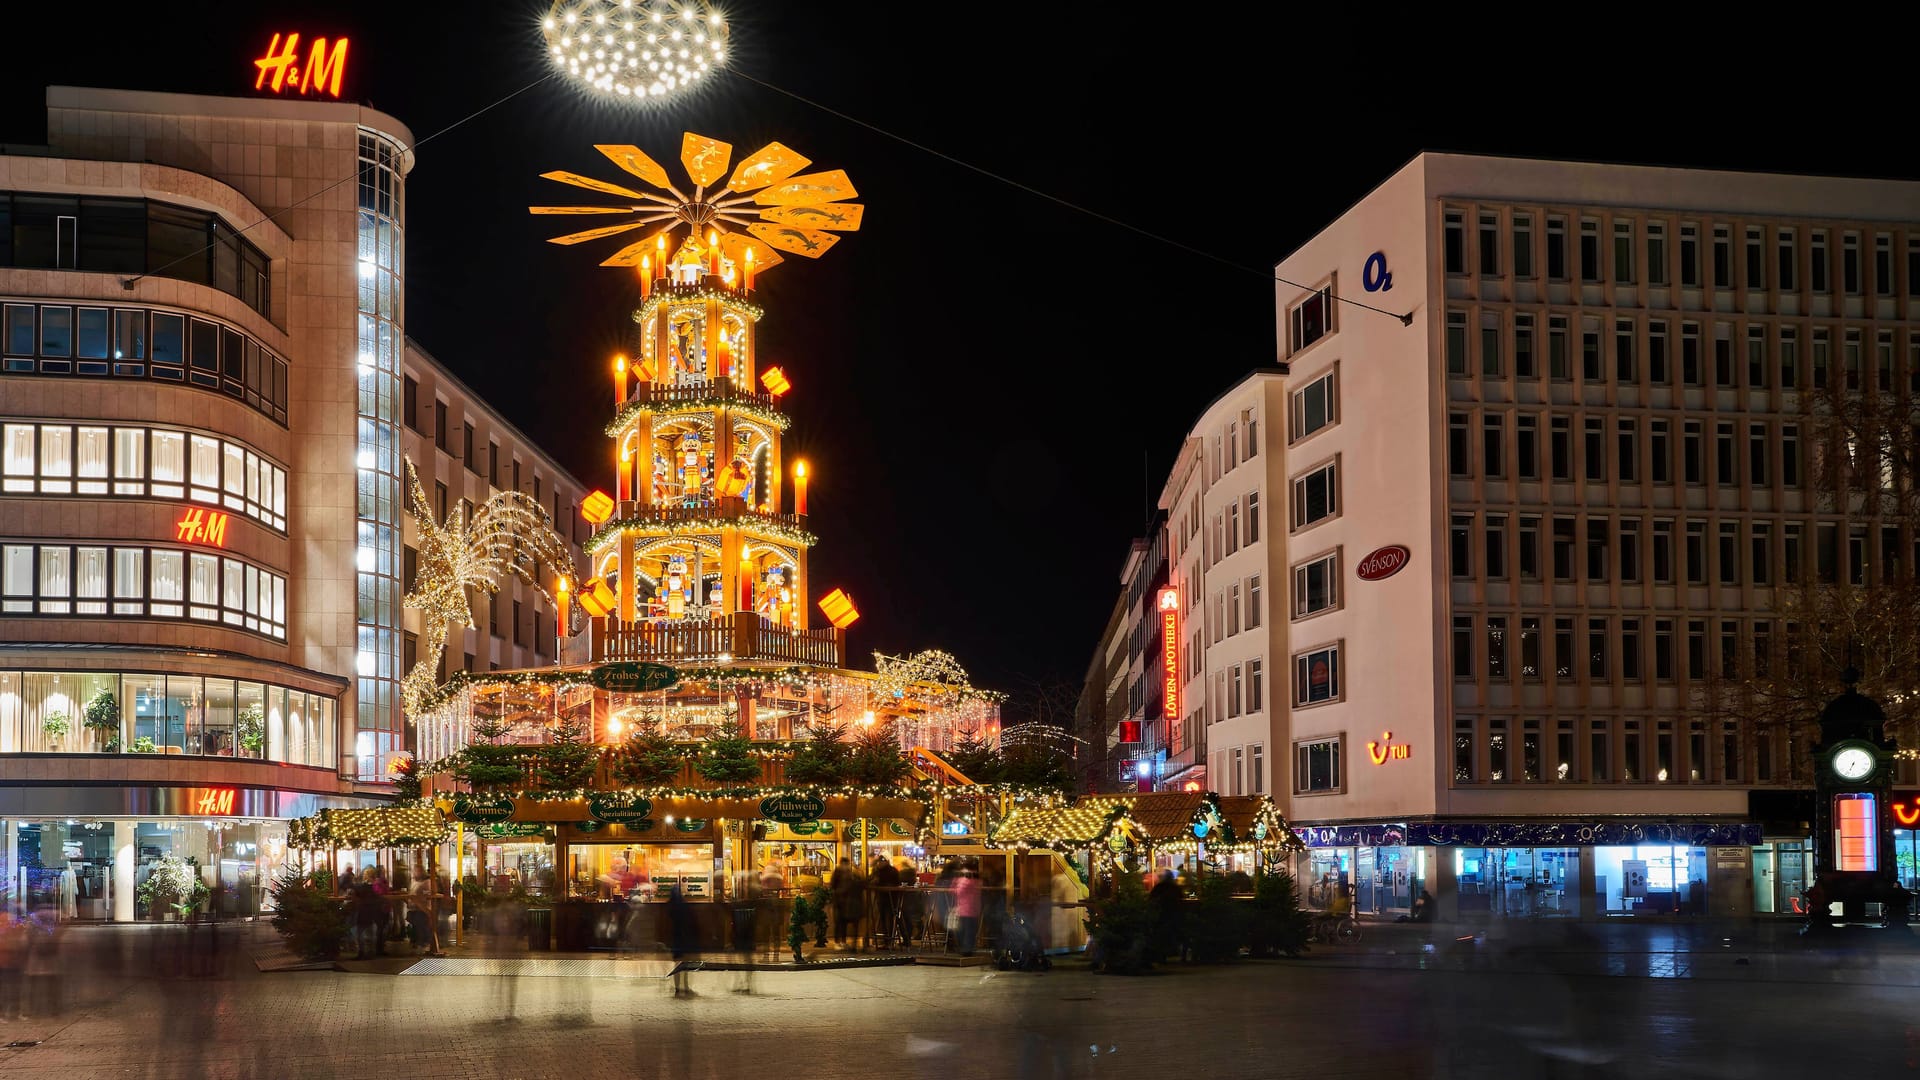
{"points": [[1374, 274]]}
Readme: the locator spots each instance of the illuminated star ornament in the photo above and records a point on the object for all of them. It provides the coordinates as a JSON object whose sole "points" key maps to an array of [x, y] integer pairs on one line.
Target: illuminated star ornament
{"points": [[510, 535], [644, 50], [779, 207]]}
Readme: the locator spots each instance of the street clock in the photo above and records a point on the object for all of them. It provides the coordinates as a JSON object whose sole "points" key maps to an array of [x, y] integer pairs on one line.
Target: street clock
{"points": [[1853, 761]]}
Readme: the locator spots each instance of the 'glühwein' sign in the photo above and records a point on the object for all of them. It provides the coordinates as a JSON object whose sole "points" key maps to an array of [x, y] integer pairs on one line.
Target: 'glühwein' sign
{"points": [[793, 809], [1384, 563]]}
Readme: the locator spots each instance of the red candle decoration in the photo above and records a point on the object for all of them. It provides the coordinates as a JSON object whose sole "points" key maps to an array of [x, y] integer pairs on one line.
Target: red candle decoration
{"points": [[620, 379], [713, 253], [800, 488], [646, 276], [748, 283]]}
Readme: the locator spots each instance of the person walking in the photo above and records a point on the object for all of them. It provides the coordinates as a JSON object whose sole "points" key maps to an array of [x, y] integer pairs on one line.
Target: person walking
{"points": [[369, 911], [966, 908], [13, 962], [1165, 898], [683, 936]]}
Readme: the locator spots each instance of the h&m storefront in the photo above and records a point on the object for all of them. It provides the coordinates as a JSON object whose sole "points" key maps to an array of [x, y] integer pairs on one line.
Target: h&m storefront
{"points": [[1557, 869], [83, 852]]}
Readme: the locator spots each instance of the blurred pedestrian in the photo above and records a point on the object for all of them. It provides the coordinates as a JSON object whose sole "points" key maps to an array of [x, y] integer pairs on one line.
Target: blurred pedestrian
{"points": [[13, 962], [683, 934], [886, 901], [369, 915], [849, 895], [382, 890], [1165, 899], [42, 994], [966, 908]]}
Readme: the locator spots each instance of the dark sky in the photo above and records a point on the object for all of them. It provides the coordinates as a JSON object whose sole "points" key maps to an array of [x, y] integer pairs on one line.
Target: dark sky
{"points": [[982, 376]]}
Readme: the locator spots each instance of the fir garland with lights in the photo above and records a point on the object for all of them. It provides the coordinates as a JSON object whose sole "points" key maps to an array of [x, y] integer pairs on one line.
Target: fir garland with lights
{"points": [[669, 291], [752, 522], [717, 401]]}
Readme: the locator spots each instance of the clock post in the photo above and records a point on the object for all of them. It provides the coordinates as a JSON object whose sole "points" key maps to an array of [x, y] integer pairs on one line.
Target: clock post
{"points": [[1853, 817]]}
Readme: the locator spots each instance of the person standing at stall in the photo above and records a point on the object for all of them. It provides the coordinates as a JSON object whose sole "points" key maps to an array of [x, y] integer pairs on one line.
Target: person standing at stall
{"points": [[849, 896], [886, 901]]}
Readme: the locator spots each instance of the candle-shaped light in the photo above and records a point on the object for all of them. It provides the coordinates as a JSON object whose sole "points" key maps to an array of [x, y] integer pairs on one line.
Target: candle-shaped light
{"points": [[800, 488], [646, 276], [749, 271], [726, 355], [660, 255], [620, 379], [746, 582], [561, 595], [713, 252]]}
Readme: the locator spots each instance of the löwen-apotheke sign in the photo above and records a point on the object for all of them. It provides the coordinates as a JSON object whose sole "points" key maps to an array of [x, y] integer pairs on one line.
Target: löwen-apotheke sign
{"points": [[1383, 562]]}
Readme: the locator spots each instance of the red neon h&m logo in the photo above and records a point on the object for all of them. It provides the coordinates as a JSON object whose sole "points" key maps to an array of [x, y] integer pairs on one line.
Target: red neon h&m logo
{"points": [[199, 526], [323, 72]]}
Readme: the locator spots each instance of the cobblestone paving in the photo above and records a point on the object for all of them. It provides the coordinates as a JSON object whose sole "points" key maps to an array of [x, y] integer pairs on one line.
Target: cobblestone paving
{"points": [[1323, 1016]]}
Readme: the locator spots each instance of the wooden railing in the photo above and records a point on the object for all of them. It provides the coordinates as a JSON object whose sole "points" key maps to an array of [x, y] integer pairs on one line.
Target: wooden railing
{"points": [[664, 396], [742, 636], [676, 512]]}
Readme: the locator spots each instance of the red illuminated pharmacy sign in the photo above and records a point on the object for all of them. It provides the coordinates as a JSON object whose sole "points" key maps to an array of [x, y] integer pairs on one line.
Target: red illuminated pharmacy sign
{"points": [[281, 69], [1170, 649]]}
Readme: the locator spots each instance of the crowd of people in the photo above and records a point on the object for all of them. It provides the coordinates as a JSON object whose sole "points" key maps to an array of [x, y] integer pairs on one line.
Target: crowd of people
{"points": [[379, 912]]}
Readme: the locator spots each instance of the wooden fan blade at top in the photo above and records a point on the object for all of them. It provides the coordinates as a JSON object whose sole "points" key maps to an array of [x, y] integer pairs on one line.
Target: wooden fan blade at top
{"points": [[839, 217], [584, 209], [769, 164], [809, 190], [735, 246], [588, 182], [634, 252], [705, 158], [631, 160], [595, 234], [805, 242]]}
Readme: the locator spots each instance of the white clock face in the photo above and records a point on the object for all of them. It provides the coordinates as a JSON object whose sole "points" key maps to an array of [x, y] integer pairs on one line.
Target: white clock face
{"points": [[1853, 763]]}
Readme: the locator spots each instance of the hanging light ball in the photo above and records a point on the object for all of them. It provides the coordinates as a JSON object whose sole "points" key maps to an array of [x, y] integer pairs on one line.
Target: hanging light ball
{"points": [[636, 50]]}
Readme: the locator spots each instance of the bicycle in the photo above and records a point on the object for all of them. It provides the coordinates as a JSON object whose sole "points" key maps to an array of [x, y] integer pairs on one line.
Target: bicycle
{"points": [[1335, 930]]}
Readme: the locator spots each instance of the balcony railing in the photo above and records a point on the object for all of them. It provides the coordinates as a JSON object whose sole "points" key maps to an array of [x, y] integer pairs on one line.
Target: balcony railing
{"points": [[741, 636], [664, 396], [679, 511]]}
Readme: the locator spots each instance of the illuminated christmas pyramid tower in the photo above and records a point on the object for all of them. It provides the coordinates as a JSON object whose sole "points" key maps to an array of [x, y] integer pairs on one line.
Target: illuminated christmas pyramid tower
{"points": [[700, 555]]}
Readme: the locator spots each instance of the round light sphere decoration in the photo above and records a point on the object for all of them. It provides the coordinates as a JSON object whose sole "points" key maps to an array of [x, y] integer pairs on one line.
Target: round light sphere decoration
{"points": [[641, 50]]}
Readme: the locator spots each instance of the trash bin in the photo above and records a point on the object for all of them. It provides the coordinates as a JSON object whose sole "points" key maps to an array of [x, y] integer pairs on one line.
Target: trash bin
{"points": [[540, 929]]}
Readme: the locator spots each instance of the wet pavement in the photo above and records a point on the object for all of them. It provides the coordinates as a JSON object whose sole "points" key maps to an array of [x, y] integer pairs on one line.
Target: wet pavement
{"points": [[1625, 1002]]}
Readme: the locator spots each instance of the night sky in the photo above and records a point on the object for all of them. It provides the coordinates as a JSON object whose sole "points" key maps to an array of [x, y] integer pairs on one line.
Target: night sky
{"points": [[989, 386]]}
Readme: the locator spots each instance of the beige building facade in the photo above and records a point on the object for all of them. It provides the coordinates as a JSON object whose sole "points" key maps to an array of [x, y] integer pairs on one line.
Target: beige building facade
{"points": [[1519, 529]]}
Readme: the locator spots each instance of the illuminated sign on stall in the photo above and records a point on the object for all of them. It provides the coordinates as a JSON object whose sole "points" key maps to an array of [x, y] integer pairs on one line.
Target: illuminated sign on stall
{"points": [[213, 802], [1170, 648], [322, 74], [199, 526]]}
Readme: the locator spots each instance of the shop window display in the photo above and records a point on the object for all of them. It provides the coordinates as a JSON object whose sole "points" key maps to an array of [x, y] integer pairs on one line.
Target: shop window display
{"points": [[105, 713], [1651, 879], [1517, 883]]}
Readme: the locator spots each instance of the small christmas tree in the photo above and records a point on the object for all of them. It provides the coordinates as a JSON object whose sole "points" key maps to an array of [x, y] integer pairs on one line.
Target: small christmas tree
{"points": [[877, 760], [825, 758], [648, 758], [728, 757]]}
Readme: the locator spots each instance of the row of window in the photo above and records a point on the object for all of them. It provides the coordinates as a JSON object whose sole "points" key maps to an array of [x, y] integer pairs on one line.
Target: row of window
{"points": [[1751, 355], [1667, 551], [1241, 770], [132, 236], [141, 462], [159, 583], [1239, 690], [1629, 449], [166, 714], [142, 343], [1608, 750], [1851, 261], [1239, 443], [1589, 649]]}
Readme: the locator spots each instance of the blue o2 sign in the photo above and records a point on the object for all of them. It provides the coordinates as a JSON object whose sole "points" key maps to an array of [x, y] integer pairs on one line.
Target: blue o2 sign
{"points": [[1374, 274]]}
